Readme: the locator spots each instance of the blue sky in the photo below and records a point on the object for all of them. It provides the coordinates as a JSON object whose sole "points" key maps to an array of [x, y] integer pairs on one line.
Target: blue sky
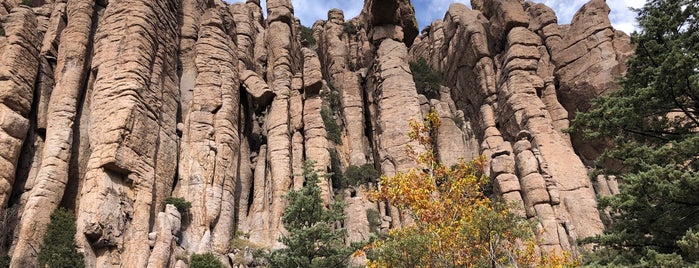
{"points": [[429, 10]]}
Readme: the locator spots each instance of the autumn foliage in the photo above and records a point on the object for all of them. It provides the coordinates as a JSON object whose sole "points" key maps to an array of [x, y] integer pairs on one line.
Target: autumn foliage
{"points": [[455, 223]]}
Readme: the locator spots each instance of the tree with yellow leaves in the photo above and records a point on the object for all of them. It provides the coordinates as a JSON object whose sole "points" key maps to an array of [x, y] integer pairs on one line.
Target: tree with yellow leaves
{"points": [[455, 223]]}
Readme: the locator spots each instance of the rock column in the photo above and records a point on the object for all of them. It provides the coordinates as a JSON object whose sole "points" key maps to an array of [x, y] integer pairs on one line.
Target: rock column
{"points": [[211, 140], [52, 178], [19, 65], [132, 131]]}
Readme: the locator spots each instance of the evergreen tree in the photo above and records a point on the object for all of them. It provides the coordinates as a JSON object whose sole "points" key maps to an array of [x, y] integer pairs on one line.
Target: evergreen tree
{"points": [[427, 80], [653, 121], [312, 239], [58, 249]]}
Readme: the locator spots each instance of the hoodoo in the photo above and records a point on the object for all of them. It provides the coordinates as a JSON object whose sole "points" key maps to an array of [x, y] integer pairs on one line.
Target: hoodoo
{"points": [[110, 108]]}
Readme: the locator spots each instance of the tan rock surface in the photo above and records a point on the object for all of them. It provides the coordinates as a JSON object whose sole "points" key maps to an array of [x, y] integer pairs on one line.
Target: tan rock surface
{"points": [[589, 56], [209, 152], [52, 176], [513, 88], [109, 107], [400, 13], [19, 65], [132, 132]]}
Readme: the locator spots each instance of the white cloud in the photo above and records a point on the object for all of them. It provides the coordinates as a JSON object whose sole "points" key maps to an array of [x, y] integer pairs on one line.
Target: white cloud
{"points": [[622, 17], [429, 10]]}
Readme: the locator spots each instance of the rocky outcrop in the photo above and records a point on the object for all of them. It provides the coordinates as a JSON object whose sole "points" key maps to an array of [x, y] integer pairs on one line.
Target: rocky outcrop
{"points": [[588, 56], [278, 177], [507, 81], [107, 108], [164, 238], [19, 66], [391, 19], [132, 130], [209, 154], [52, 178]]}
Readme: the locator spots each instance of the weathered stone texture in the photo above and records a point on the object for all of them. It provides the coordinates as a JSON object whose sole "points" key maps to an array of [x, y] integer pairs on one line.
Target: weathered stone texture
{"points": [[588, 55], [210, 141], [507, 66], [132, 131], [396, 104], [52, 178], [19, 65], [109, 107]]}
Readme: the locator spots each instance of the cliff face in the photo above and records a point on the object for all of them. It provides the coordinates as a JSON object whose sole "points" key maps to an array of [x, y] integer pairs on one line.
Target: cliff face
{"points": [[109, 107]]}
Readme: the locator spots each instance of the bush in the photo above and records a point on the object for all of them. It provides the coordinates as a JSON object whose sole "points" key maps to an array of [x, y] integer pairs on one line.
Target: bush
{"points": [[427, 80], [356, 175], [333, 130], [58, 249], [4, 262], [241, 241], [458, 121], [307, 35], [206, 260], [336, 169], [29, 3], [452, 214], [9, 217], [349, 28], [334, 101], [374, 219], [182, 205]]}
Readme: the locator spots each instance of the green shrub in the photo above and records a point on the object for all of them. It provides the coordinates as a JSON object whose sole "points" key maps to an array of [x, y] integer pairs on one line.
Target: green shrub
{"points": [[29, 3], [206, 260], [427, 80], [307, 35], [242, 243], [243, 240], [312, 241], [356, 175], [349, 28], [182, 205], [334, 101], [458, 121], [374, 219], [58, 249], [4, 262], [352, 66], [336, 169], [333, 130]]}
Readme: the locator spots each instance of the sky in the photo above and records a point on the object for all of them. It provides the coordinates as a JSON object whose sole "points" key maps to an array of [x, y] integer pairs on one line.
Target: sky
{"points": [[429, 10]]}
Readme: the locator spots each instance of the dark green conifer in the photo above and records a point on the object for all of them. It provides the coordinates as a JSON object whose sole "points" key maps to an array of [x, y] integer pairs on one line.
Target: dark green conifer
{"points": [[653, 121], [313, 239], [58, 249]]}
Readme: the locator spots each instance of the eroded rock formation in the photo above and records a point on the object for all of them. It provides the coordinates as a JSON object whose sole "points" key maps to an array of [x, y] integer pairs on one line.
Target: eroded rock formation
{"points": [[519, 80], [108, 108]]}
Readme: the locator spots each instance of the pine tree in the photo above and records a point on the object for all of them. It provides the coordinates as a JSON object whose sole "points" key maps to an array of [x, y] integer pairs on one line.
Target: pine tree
{"points": [[58, 249], [312, 239], [653, 121]]}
